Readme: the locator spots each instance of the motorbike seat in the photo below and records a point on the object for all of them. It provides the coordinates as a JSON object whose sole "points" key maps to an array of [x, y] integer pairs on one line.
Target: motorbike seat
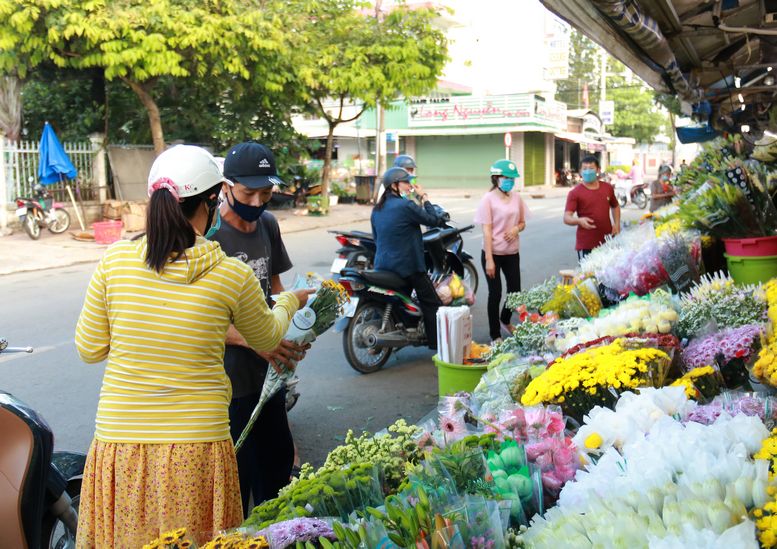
{"points": [[359, 234], [435, 235], [14, 468], [385, 279]]}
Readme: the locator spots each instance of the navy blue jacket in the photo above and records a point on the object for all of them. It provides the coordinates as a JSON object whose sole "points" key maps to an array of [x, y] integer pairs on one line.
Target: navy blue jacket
{"points": [[398, 237]]}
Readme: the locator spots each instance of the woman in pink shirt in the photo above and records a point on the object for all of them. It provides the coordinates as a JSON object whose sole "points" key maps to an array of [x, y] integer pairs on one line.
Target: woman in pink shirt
{"points": [[502, 214]]}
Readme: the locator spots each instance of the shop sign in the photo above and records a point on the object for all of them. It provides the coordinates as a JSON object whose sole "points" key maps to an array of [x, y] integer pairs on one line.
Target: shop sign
{"points": [[488, 110]]}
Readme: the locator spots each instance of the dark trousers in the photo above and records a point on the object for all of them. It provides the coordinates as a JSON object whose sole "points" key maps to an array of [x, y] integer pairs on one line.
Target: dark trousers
{"points": [[429, 301], [265, 460], [510, 265], [582, 253]]}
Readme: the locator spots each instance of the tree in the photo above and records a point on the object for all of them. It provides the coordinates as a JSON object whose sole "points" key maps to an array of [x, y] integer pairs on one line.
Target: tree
{"points": [[636, 113], [141, 43], [352, 58], [583, 72], [671, 103]]}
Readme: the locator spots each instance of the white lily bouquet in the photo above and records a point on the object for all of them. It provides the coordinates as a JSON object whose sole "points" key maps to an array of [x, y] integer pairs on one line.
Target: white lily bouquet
{"points": [[308, 323]]}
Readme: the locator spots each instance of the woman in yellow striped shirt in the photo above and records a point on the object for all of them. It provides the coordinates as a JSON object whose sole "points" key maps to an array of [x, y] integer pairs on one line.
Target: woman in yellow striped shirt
{"points": [[158, 309]]}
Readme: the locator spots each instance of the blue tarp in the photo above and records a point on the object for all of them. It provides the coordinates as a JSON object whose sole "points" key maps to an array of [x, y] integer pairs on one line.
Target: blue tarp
{"points": [[696, 134], [54, 164]]}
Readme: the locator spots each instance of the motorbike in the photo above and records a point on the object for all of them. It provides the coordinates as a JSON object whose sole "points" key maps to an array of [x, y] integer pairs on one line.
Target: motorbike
{"points": [[357, 251], [41, 211], [567, 178], [40, 488], [382, 315], [626, 191]]}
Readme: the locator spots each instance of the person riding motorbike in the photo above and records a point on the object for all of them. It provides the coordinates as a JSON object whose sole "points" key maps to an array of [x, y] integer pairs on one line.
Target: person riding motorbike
{"points": [[396, 225], [405, 161]]}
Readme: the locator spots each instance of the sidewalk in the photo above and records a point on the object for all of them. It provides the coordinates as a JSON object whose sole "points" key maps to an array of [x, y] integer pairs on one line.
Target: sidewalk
{"points": [[18, 253]]}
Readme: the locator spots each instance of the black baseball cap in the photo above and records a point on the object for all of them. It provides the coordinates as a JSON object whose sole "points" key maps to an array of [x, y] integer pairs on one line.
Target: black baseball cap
{"points": [[251, 164]]}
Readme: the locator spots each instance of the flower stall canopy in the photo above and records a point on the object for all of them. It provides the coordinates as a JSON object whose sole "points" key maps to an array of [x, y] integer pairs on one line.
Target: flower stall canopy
{"points": [[701, 51]]}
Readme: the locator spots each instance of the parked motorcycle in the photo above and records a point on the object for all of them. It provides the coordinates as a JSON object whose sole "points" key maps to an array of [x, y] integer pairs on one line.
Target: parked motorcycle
{"points": [[567, 178], [39, 489], [357, 251], [41, 212], [627, 192], [382, 315]]}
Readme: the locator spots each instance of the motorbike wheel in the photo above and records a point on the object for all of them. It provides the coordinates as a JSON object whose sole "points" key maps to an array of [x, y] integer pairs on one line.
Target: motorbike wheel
{"points": [[640, 200], [54, 534], [366, 320], [61, 221], [31, 226], [621, 200], [471, 276]]}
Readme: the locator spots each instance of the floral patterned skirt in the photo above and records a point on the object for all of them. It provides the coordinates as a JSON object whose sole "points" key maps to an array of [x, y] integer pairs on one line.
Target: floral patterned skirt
{"points": [[132, 493]]}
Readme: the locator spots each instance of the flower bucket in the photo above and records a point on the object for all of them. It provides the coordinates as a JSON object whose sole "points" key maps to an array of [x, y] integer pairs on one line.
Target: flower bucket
{"points": [[107, 232], [752, 270], [751, 247], [452, 378]]}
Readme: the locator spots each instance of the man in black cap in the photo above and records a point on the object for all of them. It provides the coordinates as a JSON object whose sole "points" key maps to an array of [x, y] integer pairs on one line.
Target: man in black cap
{"points": [[251, 234]]}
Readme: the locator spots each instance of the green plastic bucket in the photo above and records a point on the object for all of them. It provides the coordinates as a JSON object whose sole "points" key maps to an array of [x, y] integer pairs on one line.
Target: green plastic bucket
{"points": [[452, 378], [752, 270]]}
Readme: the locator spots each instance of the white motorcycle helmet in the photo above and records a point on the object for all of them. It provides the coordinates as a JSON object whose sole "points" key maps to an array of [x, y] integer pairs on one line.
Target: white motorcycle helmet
{"points": [[191, 169]]}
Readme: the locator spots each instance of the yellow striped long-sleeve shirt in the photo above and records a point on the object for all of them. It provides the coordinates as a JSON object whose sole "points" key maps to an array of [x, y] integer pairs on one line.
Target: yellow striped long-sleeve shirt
{"points": [[163, 335]]}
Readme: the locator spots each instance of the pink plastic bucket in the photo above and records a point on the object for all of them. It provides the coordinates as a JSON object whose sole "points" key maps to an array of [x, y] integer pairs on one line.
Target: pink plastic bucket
{"points": [[751, 247], [107, 232]]}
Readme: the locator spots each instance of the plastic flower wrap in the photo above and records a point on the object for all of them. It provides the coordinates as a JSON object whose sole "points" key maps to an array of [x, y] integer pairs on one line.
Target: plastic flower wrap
{"points": [[733, 403], [654, 313], [730, 349], [596, 376], [288, 533], [717, 303], [503, 384], [515, 480], [308, 323], [633, 416], [701, 384], [668, 477]]}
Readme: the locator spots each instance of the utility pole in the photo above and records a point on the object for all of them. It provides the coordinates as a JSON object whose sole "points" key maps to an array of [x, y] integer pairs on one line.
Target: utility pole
{"points": [[380, 134], [603, 97]]}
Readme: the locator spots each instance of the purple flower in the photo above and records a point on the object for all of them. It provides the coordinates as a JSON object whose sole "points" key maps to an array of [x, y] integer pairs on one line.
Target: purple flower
{"points": [[284, 534]]}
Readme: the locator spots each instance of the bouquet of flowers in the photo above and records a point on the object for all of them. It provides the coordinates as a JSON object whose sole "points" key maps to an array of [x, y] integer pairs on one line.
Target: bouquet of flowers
{"points": [[765, 368], [308, 323], [574, 300], [716, 303], [527, 339], [733, 403], [534, 298], [730, 349], [654, 313], [596, 377], [701, 384]]}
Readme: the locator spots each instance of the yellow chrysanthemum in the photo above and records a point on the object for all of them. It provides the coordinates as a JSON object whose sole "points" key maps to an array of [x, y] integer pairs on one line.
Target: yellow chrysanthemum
{"points": [[593, 441]]}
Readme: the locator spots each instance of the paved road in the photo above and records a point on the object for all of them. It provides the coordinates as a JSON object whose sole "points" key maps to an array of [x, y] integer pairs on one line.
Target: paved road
{"points": [[41, 309]]}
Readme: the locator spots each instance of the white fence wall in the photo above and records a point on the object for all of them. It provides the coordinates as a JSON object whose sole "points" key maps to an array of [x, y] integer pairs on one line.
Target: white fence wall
{"points": [[21, 161]]}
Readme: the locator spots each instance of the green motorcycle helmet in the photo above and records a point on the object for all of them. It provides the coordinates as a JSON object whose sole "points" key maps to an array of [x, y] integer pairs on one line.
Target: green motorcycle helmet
{"points": [[505, 168]]}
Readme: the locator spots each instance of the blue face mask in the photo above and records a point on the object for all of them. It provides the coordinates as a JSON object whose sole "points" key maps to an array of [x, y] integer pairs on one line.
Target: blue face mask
{"points": [[245, 211], [506, 185], [216, 225], [589, 175]]}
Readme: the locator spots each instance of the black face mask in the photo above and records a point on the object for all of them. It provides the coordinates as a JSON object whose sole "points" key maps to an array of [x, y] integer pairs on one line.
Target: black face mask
{"points": [[245, 211]]}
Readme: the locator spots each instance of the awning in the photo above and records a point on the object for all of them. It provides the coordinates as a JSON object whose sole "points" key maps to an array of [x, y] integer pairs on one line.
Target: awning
{"points": [[590, 143]]}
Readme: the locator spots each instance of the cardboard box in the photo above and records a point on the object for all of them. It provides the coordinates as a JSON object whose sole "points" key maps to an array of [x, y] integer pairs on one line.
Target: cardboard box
{"points": [[112, 209], [133, 216]]}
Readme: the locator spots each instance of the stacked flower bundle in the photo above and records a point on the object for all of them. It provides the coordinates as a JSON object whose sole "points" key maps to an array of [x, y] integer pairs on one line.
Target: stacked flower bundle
{"points": [[661, 483], [654, 313], [596, 376], [765, 367], [717, 303], [730, 349]]}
